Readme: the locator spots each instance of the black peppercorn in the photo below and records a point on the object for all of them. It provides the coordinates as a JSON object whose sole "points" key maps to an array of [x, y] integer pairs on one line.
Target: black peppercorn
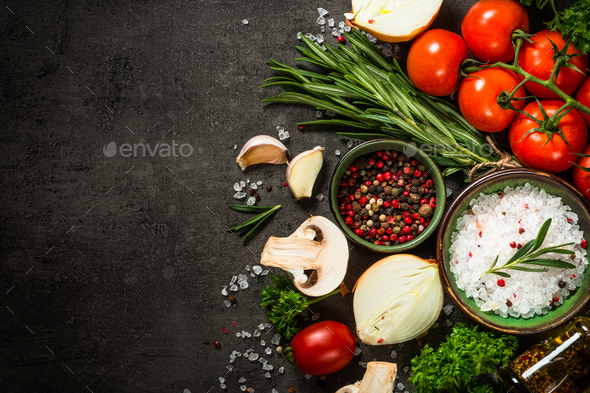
{"points": [[232, 298], [561, 284], [508, 303], [404, 206], [217, 344], [269, 188], [252, 191], [257, 196]]}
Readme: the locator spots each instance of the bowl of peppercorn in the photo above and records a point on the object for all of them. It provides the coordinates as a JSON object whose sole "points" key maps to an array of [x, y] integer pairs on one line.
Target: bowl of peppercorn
{"points": [[387, 195]]}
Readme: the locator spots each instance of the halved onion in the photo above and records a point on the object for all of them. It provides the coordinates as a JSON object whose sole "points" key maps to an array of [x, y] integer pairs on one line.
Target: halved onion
{"points": [[397, 299], [394, 20]]}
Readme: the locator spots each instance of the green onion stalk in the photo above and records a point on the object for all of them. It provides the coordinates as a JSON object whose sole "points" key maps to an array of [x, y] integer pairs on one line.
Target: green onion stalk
{"points": [[378, 100]]}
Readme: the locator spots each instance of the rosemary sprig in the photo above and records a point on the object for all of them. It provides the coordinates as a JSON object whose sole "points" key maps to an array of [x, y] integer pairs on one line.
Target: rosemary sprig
{"points": [[379, 100], [266, 211], [528, 253]]}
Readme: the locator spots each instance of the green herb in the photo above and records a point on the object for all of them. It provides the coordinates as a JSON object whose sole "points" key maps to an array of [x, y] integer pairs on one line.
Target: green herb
{"points": [[259, 219], [283, 303], [528, 253], [465, 354], [378, 98], [572, 22]]}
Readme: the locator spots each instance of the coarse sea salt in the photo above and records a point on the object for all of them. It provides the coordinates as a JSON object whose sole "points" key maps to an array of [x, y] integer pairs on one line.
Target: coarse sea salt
{"points": [[485, 231]]}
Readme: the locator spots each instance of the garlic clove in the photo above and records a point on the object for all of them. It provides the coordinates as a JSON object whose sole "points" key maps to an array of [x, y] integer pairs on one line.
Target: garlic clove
{"points": [[302, 172], [262, 149], [394, 20]]}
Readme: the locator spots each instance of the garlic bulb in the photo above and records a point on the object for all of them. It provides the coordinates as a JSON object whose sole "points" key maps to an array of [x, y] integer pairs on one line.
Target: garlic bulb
{"points": [[397, 299], [302, 172], [262, 149]]}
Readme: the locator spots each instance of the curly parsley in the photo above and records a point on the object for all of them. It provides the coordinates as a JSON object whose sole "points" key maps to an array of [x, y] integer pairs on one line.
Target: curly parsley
{"points": [[465, 354]]}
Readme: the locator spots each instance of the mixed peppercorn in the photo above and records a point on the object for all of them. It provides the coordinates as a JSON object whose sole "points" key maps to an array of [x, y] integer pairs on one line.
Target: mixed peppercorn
{"points": [[386, 198]]}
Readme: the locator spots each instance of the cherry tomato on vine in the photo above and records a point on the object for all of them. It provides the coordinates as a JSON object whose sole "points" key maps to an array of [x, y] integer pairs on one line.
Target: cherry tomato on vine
{"points": [[537, 59], [323, 348], [487, 29], [434, 60], [547, 151], [581, 177], [583, 97], [478, 94]]}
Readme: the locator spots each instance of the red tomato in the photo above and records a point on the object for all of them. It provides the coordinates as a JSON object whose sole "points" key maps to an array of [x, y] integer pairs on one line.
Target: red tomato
{"points": [[581, 177], [537, 60], [478, 96], [434, 60], [547, 152], [323, 348], [487, 29], [583, 97]]}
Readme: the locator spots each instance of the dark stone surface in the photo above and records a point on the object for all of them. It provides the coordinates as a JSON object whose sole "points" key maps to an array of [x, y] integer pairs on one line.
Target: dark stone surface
{"points": [[112, 267]]}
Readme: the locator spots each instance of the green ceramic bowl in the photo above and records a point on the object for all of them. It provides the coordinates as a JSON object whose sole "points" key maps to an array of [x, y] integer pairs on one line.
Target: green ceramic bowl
{"points": [[400, 146], [491, 184]]}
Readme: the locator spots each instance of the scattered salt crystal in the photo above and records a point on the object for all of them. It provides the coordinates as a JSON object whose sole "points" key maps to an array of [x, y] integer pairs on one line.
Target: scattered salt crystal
{"points": [[251, 201], [229, 367], [235, 147], [224, 291], [280, 129], [242, 184], [387, 52], [435, 325], [186, 391], [282, 369], [310, 36], [267, 375], [406, 369], [357, 351], [322, 11], [320, 38], [341, 25], [257, 269], [299, 35], [240, 195], [233, 288], [263, 360], [247, 268], [371, 38], [349, 144], [349, 15], [319, 114], [267, 325], [400, 386], [331, 22], [237, 187], [248, 335], [323, 47], [363, 364], [307, 376], [242, 380], [252, 275], [238, 334], [238, 354], [253, 186], [449, 192], [337, 152], [321, 20], [253, 356], [319, 197], [244, 285], [227, 303], [221, 385], [221, 380], [268, 351], [335, 32], [322, 29], [262, 342], [267, 367], [276, 339], [243, 388], [284, 135], [264, 272], [316, 316], [247, 180], [448, 309], [256, 333], [244, 21], [449, 322], [242, 278], [347, 28], [261, 326], [259, 182], [274, 391], [393, 354]]}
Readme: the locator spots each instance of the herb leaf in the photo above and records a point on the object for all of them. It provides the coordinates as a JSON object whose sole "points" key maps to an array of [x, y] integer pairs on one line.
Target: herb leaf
{"points": [[258, 219], [523, 250], [551, 263], [249, 209], [541, 235]]}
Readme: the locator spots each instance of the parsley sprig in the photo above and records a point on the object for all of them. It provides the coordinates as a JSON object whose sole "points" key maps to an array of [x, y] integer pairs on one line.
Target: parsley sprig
{"points": [[283, 303], [465, 354], [528, 255]]}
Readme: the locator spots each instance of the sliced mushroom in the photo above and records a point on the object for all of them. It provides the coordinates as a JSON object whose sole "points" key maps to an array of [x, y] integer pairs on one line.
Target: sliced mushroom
{"points": [[317, 248], [378, 378]]}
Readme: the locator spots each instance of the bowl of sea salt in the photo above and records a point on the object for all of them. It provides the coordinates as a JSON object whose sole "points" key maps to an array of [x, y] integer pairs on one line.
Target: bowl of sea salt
{"points": [[493, 218]]}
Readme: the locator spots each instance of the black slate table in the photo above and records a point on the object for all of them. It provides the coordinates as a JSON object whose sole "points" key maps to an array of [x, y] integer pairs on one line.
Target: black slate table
{"points": [[113, 266]]}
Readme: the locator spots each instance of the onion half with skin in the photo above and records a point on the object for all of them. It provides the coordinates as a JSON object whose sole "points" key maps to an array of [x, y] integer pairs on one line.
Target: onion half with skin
{"points": [[394, 20], [397, 299]]}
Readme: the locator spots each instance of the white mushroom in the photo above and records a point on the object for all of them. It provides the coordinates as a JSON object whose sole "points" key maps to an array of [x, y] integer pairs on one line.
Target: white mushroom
{"points": [[378, 378], [315, 256]]}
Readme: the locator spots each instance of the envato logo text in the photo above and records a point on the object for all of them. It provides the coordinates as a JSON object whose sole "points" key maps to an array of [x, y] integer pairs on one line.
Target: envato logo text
{"points": [[142, 149], [484, 150]]}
